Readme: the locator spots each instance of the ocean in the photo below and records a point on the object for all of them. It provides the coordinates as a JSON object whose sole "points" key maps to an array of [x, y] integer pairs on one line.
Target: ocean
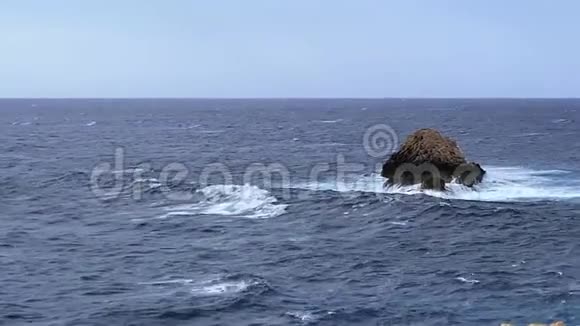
{"points": [[273, 212]]}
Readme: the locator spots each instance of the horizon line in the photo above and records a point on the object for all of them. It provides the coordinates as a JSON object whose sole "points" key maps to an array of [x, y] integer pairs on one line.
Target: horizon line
{"points": [[296, 98]]}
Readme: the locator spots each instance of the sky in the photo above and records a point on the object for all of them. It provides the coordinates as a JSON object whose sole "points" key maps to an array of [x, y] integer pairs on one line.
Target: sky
{"points": [[289, 48]]}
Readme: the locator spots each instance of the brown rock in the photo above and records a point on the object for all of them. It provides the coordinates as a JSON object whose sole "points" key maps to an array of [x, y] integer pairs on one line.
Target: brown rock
{"points": [[432, 160]]}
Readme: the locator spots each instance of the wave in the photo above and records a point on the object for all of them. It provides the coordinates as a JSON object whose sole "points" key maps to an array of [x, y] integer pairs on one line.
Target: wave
{"points": [[217, 131], [309, 317], [467, 280], [223, 287], [231, 200], [330, 121], [25, 123], [220, 285], [531, 134], [501, 184], [561, 121]]}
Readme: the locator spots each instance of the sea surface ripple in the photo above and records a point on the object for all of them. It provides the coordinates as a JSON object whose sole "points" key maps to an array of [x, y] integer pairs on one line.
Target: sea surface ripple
{"points": [[338, 250]]}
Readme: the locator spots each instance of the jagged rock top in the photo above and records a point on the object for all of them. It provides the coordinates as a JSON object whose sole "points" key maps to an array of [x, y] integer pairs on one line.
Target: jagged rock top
{"points": [[429, 145]]}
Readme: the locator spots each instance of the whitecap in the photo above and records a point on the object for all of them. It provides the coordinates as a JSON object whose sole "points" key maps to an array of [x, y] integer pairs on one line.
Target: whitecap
{"points": [[92, 123], [531, 134], [308, 317], [303, 316], [330, 121], [466, 280], [165, 282], [561, 121], [232, 200], [177, 214], [207, 287], [223, 287], [500, 184], [517, 184]]}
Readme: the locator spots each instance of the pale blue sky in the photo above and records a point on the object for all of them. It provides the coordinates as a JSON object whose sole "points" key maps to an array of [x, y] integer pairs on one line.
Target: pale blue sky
{"points": [[291, 48]]}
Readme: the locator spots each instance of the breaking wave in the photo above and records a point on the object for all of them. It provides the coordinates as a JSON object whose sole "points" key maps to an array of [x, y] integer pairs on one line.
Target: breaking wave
{"points": [[211, 287], [232, 200], [501, 184], [330, 121]]}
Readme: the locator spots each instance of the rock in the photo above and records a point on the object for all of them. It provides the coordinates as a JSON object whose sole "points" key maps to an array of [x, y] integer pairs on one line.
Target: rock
{"points": [[469, 174], [432, 160], [431, 181]]}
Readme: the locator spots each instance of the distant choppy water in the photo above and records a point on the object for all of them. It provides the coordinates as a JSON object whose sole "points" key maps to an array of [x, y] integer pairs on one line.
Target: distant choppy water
{"points": [[338, 250]]}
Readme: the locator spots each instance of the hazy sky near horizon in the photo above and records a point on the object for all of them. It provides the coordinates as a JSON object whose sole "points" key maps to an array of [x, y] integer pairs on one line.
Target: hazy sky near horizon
{"points": [[292, 48]]}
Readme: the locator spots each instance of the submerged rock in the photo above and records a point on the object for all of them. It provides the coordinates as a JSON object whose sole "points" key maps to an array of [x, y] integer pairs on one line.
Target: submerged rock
{"points": [[432, 160]]}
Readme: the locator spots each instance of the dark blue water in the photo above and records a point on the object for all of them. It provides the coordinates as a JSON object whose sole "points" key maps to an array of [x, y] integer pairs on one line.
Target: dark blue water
{"points": [[180, 233]]}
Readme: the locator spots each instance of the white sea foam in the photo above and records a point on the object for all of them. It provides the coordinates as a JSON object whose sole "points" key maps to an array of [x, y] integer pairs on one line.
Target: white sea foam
{"points": [[531, 134], [232, 200], [303, 316], [467, 280], [92, 123], [561, 121], [308, 317], [330, 121], [167, 282], [207, 287], [506, 184], [398, 223], [222, 287]]}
